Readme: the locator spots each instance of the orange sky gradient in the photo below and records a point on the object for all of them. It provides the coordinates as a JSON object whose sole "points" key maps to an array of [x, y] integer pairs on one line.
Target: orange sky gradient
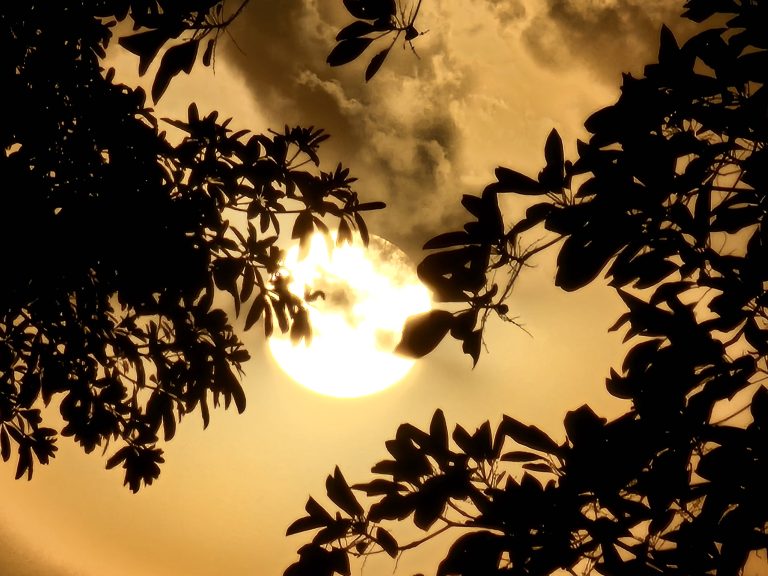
{"points": [[493, 77]]}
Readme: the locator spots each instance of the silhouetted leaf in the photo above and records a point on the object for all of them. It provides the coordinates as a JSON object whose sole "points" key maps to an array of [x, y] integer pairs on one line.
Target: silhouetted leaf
{"points": [[430, 502], [438, 431], [447, 239], [5, 444], [472, 345], [668, 47], [146, 45], [520, 456], [393, 507], [387, 542], [318, 512], [526, 435], [366, 206], [552, 177], [355, 30], [347, 50], [473, 553], [340, 493], [375, 63], [208, 54], [255, 312], [538, 467], [423, 332], [178, 58], [379, 487], [511, 181], [304, 524]]}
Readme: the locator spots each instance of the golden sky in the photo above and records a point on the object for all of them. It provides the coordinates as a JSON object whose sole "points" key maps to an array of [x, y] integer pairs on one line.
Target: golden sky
{"points": [[492, 79]]}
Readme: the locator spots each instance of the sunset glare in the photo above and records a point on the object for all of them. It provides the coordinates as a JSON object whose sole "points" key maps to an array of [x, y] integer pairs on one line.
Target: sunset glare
{"points": [[367, 294]]}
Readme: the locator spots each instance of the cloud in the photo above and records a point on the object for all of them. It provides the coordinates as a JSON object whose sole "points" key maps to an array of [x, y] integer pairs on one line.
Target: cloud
{"points": [[508, 11], [398, 133], [604, 35], [489, 81]]}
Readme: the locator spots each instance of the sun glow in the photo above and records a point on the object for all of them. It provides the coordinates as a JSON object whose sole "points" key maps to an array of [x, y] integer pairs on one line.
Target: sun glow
{"points": [[368, 294]]}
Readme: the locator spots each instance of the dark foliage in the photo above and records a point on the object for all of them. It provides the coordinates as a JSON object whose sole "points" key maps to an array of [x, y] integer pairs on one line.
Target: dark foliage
{"points": [[117, 240], [667, 200], [376, 19]]}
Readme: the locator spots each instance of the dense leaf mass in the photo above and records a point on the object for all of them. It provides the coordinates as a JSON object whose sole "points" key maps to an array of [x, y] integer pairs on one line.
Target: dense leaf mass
{"points": [[119, 241], [666, 200]]}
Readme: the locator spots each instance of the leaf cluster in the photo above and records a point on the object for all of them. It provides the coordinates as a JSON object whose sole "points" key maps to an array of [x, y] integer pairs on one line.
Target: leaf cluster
{"points": [[120, 243], [376, 19], [667, 202]]}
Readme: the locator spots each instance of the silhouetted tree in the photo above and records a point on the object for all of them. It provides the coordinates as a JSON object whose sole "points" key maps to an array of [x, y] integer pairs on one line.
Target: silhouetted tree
{"points": [[668, 199], [116, 239]]}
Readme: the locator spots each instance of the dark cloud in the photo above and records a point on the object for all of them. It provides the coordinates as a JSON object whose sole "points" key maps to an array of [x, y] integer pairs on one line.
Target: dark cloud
{"points": [[608, 36], [396, 133]]}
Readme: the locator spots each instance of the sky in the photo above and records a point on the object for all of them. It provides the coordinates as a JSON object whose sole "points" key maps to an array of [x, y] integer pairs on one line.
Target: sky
{"points": [[491, 79]]}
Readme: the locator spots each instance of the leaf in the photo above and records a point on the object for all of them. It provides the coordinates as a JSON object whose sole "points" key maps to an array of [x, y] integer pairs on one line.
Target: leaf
{"points": [[438, 431], [472, 345], [583, 426], [379, 487], [304, 225], [118, 457], [511, 181], [318, 512], [231, 386], [668, 47], [362, 229], [208, 54], [430, 502], [25, 462], [257, 308], [534, 215], [553, 175], [386, 541], [178, 58], [347, 50], [375, 63], [530, 436], [423, 332], [538, 467], [732, 220], [366, 206], [473, 554], [304, 524], [478, 446], [147, 44], [581, 259], [520, 456], [341, 494], [447, 239], [5, 444], [355, 30]]}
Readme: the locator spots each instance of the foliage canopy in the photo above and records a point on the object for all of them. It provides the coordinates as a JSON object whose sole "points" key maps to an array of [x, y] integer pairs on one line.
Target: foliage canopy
{"points": [[117, 239], [668, 200], [112, 313]]}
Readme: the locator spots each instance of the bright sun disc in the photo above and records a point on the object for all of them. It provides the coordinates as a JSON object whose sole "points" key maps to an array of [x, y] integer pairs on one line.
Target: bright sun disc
{"points": [[369, 293]]}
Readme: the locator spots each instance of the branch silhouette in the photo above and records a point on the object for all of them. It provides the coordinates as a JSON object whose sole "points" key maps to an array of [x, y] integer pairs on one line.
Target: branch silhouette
{"points": [[673, 172]]}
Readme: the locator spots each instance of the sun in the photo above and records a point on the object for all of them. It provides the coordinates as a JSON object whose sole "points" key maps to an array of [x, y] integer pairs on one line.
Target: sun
{"points": [[367, 295]]}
